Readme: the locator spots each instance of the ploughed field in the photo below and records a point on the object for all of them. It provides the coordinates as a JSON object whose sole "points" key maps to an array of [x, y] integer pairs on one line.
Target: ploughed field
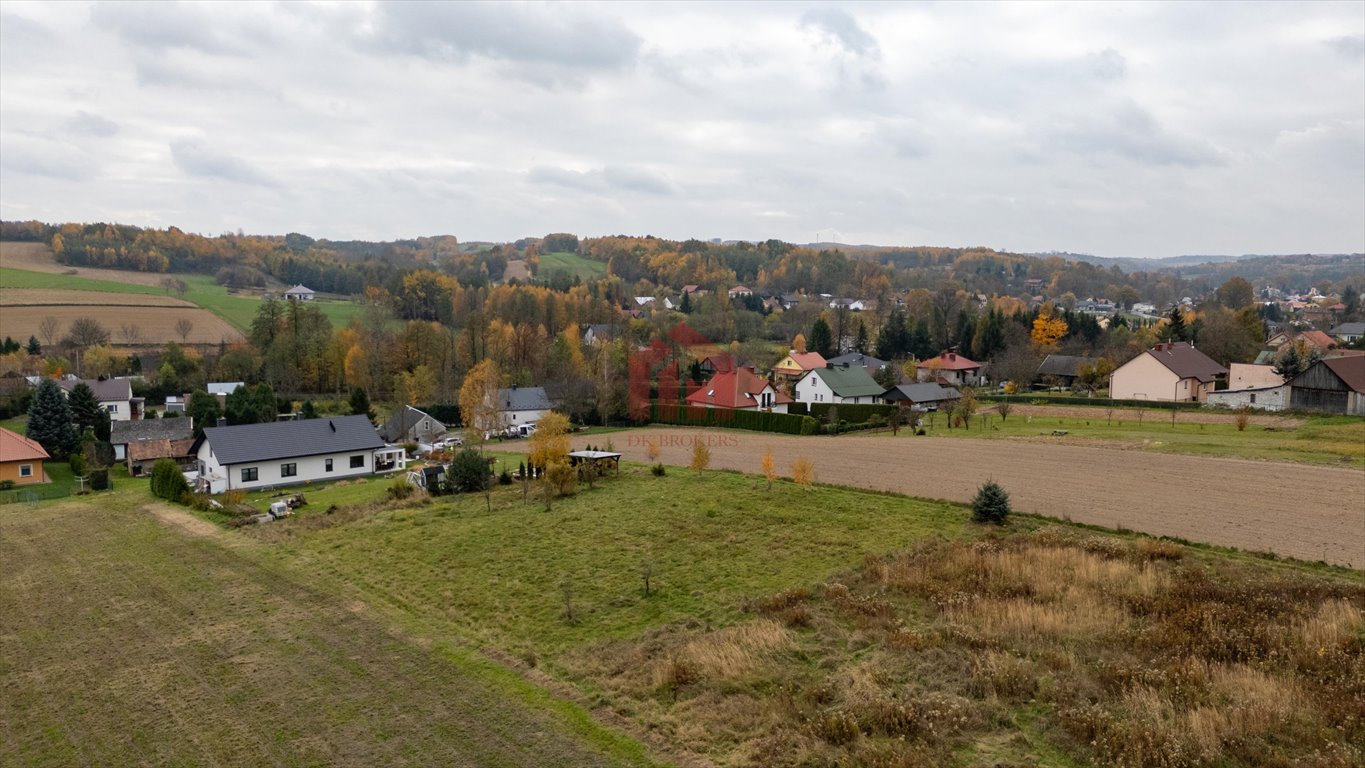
{"points": [[1293, 510]]}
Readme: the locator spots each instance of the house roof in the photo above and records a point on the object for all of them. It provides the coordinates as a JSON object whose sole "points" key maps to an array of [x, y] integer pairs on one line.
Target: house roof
{"points": [[160, 449], [286, 439], [848, 381], [1351, 371], [106, 391], [524, 399], [16, 447], [1064, 365], [300, 288], [950, 361], [1349, 329], [739, 388], [858, 359], [1318, 339], [926, 392], [396, 428], [806, 361], [125, 432], [1186, 362], [721, 363]]}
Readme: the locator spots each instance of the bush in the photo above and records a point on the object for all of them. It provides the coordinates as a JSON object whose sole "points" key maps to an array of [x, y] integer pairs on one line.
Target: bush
{"points": [[167, 481], [399, 488], [505, 478], [468, 471], [6, 485], [99, 480], [991, 505], [77, 462], [758, 421], [658, 470], [809, 425]]}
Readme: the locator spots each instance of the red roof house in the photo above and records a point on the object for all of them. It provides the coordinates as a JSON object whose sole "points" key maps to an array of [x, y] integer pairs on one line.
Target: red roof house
{"points": [[948, 368], [740, 389]]}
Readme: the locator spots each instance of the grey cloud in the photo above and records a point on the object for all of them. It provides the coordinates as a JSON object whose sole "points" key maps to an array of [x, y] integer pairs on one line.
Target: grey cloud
{"points": [[840, 26], [38, 156], [196, 159], [91, 124], [1131, 132], [1108, 64], [537, 41], [604, 180], [162, 26], [1348, 45]]}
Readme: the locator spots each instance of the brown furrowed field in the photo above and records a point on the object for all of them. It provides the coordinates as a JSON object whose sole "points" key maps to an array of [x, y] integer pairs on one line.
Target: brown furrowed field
{"points": [[40, 297], [156, 324], [1302, 511], [128, 641]]}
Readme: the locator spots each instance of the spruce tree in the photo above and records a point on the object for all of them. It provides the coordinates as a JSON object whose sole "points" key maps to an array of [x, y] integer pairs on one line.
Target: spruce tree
{"points": [[49, 420], [860, 341], [821, 338], [1177, 330], [360, 403], [308, 410], [34, 348], [991, 505], [85, 407]]}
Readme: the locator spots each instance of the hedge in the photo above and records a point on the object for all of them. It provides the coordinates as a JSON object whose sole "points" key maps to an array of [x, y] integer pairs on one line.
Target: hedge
{"points": [[1095, 402], [853, 414], [758, 421]]}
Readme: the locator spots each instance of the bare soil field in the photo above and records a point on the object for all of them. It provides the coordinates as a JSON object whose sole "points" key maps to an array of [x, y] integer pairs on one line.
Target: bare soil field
{"points": [[37, 257], [1293, 510], [124, 641], [29, 297], [156, 324]]}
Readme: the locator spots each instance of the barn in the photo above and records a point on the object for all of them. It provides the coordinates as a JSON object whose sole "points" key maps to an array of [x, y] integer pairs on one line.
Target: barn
{"points": [[1334, 385]]}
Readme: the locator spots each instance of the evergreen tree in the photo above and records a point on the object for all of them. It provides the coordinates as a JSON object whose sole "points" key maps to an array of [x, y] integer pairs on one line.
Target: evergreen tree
{"points": [[34, 348], [893, 340], [49, 421], [307, 410], [85, 408], [686, 306], [860, 342], [821, 339], [922, 343], [167, 481], [1350, 299], [1177, 329], [360, 402], [991, 505], [10, 346], [204, 409]]}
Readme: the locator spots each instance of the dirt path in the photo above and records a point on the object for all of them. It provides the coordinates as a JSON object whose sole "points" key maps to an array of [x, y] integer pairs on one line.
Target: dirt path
{"points": [[1294, 510]]}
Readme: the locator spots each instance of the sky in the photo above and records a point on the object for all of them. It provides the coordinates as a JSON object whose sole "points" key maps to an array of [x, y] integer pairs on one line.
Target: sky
{"points": [[1127, 130]]}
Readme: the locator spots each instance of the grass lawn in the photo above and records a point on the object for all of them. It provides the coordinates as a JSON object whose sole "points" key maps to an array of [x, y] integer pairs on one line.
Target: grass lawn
{"points": [[203, 291], [563, 261], [1334, 440], [16, 423]]}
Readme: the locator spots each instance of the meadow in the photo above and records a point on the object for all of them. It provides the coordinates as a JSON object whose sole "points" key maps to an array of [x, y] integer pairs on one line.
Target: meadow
{"points": [[571, 263]]}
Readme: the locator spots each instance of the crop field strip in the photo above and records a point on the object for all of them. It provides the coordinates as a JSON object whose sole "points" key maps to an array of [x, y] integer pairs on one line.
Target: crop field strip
{"points": [[127, 642]]}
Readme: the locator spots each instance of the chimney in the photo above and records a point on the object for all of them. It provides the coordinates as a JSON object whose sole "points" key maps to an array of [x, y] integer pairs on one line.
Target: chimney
{"points": [[332, 424], [222, 421]]}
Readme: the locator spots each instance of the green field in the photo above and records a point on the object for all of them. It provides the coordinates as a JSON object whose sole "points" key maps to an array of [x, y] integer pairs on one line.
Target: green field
{"points": [[1333, 440], [203, 291], [572, 263]]}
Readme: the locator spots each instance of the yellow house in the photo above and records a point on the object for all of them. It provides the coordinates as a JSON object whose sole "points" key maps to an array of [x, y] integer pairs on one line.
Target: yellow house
{"points": [[21, 459], [1169, 371]]}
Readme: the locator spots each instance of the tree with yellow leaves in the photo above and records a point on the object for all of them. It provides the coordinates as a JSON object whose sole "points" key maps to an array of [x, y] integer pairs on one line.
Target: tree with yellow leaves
{"points": [[1048, 328], [799, 343], [701, 454], [803, 471], [769, 468], [479, 405]]}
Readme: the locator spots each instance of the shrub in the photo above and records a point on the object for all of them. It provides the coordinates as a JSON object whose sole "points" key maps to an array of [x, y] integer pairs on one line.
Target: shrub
{"points": [[99, 480], [468, 471], [803, 471], [701, 454], [505, 478], [399, 488], [809, 425], [658, 470], [167, 481], [6, 485], [77, 462], [991, 505], [1243, 418]]}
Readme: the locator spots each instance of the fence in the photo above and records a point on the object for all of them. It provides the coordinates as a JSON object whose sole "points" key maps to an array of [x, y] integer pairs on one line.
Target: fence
{"points": [[34, 493]]}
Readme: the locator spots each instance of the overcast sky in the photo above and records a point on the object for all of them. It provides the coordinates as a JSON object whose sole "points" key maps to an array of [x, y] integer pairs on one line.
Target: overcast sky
{"points": [[1118, 130]]}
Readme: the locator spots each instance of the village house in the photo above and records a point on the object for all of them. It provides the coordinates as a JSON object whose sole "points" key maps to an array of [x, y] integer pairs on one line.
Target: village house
{"points": [[843, 385], [858, 359], [949, 368], [523, 405], [411, 425], [795, 364], [1348, 333], [1170, 371], [1334, 385], [599, 333], [1063, 370], [21, 459], [1252, 386], [114, 396], [299, 293], [740, 389], [924, 397], [254, 456], [125, 433]]}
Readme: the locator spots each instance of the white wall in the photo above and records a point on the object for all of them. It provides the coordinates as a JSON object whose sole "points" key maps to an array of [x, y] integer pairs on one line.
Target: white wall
{"points": [[523, 417], [310, 469], [1145, 378], [813, 389], [1273, 399]]}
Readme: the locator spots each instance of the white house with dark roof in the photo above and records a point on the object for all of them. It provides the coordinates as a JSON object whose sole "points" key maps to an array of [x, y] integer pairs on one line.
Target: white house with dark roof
{"points": [[254, 456], [523, 405], [114, 396]]}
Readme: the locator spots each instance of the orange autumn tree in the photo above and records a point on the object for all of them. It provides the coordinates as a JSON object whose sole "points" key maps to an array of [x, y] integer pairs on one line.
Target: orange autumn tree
{"points": [[1048, 328]]}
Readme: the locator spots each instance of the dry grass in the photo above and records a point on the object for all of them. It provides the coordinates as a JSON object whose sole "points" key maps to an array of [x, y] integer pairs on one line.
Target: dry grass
{"points": [[38, 297], [1055, 647], [157, 324]]}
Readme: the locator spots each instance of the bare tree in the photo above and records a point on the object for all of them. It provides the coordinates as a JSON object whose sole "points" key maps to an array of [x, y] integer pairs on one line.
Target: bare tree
{"points": [[130, 333], [49, 328], [183, 326], [174, 285], [87, 332]]}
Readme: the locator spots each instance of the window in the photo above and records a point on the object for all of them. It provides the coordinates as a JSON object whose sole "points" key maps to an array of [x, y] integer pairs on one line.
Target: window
{"points": [[112, 407], [329, 465], [249, 474], [357, 461], [26, 470], [289, 470], [1253, 398]]}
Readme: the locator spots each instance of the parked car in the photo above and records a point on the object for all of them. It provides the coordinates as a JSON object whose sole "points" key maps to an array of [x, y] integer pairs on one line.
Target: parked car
{"points": [[445, 444]]}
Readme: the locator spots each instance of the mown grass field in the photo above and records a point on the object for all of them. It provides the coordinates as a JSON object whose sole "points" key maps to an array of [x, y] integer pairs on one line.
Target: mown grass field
{"points": [[134, 635], [1329, 440], [572, 263]]}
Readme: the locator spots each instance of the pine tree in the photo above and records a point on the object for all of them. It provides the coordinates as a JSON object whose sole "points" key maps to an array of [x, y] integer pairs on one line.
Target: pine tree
{"points": [[308, 410], [860, 342], [1177, 329], [360, 403], [821, 338], [991, 505], [85, 408], [34, 348], [49, 421], [686, 306]]}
